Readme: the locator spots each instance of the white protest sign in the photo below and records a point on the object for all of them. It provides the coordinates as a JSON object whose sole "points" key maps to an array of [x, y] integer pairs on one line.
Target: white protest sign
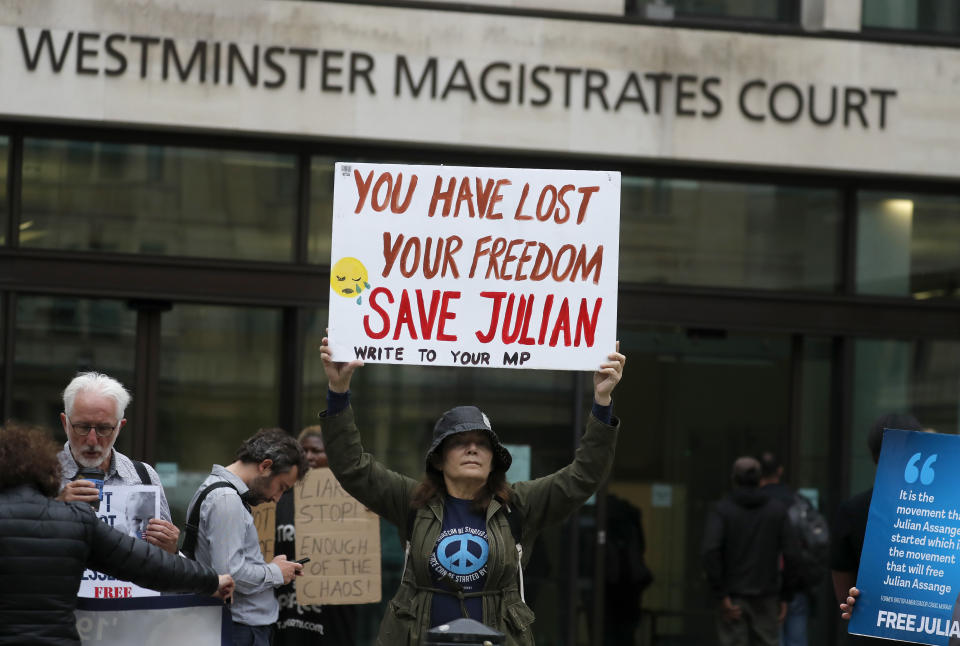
{"points": [[459, 266], [156, 621], [127, 509]]}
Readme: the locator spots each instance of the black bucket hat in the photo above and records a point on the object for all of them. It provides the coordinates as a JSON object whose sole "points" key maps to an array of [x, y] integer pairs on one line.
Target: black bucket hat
{"points": [[468, 418]]}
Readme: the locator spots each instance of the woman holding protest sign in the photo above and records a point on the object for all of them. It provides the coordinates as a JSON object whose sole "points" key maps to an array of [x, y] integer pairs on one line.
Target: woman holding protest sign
{"points": [[466, 526], [46, 545]]}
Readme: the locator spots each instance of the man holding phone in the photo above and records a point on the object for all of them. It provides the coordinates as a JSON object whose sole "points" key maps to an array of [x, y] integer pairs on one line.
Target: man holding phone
{"points": [[221, 532]]}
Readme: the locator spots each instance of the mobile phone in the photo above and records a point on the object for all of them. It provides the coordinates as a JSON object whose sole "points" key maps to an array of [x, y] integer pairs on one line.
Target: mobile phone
{"points": [[303, 560]]}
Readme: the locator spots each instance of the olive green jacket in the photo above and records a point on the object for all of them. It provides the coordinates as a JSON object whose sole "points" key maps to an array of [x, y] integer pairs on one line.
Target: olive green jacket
{"points": [[539, 503]]}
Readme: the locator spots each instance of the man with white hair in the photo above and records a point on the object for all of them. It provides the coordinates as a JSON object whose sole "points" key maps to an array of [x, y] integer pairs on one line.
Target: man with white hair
{"points": [[93, 406]]}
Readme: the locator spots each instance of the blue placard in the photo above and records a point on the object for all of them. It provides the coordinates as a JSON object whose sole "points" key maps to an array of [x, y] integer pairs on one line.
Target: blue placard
{"points": [[910, 567]]}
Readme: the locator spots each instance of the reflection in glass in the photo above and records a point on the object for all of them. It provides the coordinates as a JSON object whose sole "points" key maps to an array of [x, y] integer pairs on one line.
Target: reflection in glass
{"points": [[218, 385], [4, 210], [907, 245], [783, 11], [723, 234], [396, 408], [58, 337], [135, 198], [930, 16], [816, 448], [816, 406], [321, 205], [696, 400], [321, 210], [890, 376]]}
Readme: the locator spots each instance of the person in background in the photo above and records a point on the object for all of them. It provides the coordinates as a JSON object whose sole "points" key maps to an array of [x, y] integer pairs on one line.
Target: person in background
{"points": [[627, 574], [92, 417], [46, 545], [746, 534], [813, 558], [307, 625]]}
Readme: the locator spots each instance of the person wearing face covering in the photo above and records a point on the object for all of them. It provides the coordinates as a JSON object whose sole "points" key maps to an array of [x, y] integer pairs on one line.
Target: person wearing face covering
{"points": [[468, 530]]}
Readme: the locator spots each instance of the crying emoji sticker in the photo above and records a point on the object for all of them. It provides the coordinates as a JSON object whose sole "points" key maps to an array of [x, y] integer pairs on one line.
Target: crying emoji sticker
{"points": [[349, 278]]}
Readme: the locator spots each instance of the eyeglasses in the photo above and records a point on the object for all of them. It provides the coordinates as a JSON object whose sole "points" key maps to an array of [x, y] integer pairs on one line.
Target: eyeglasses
{"points": [[82, 430]]}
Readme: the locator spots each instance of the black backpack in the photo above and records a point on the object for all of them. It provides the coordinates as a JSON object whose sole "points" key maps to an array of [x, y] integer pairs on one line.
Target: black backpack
{"points": [[814, 535], [192, 532]]}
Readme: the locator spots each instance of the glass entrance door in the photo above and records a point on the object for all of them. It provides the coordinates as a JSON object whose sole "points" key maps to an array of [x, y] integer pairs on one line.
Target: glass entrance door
{"points": [[698, 400]]}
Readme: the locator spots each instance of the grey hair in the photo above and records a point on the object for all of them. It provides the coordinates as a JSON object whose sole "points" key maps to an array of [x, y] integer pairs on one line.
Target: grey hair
{"points": [[276, 445], [97, 383]]}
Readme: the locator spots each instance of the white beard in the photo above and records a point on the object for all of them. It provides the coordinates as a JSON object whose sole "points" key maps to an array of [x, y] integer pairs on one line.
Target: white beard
{"points": [[102, 454]]}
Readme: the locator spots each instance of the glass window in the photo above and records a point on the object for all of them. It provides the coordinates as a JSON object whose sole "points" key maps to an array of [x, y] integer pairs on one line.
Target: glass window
{"points": [[321, 204], [929, 16], [783, 11], [218, 384], [134, 198], [321, 210], [723, 234], [397, 407], [56, 338], [907, 245], [891, 376], [694, 401], [4, 207]]}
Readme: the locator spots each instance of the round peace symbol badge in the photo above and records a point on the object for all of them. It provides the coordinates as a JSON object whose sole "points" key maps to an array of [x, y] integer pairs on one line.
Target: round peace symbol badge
{"points": [[463, 553]]}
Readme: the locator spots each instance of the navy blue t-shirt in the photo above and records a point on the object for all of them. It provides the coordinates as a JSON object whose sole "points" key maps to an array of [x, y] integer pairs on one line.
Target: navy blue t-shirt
{"points": [[461, 553]]}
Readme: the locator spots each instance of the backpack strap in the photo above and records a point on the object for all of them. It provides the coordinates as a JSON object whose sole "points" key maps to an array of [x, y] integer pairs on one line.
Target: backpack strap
{"points": [[189, 548], [142, 472], [514, 521]]}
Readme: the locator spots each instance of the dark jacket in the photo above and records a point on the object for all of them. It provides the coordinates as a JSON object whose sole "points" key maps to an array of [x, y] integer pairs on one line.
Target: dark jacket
{"points": [[538, 503], [45, 546], [745, 535]]}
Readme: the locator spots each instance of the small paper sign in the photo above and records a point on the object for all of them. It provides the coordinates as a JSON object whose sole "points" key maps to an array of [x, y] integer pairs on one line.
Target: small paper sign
{"points": [[265, 520], [127, 509]]}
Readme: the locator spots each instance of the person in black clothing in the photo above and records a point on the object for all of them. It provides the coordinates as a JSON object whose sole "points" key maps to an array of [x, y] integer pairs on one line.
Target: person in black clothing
{"points": [[745, 536], [307, 625], [850, 524], [627, 574], [47, 544], [793, 631]]}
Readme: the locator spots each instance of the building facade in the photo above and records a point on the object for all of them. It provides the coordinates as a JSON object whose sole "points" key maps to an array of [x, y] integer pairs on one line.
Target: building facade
{"points": [[790, 235]]}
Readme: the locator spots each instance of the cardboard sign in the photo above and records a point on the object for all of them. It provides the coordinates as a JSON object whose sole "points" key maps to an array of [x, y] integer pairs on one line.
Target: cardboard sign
{"points": [[482, 267], [265, 520], [342, 539], [128, 509], [910, 566]]}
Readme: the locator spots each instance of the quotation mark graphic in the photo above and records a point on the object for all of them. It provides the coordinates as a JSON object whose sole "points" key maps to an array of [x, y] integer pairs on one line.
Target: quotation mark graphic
{"points": [[911, 473]]}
